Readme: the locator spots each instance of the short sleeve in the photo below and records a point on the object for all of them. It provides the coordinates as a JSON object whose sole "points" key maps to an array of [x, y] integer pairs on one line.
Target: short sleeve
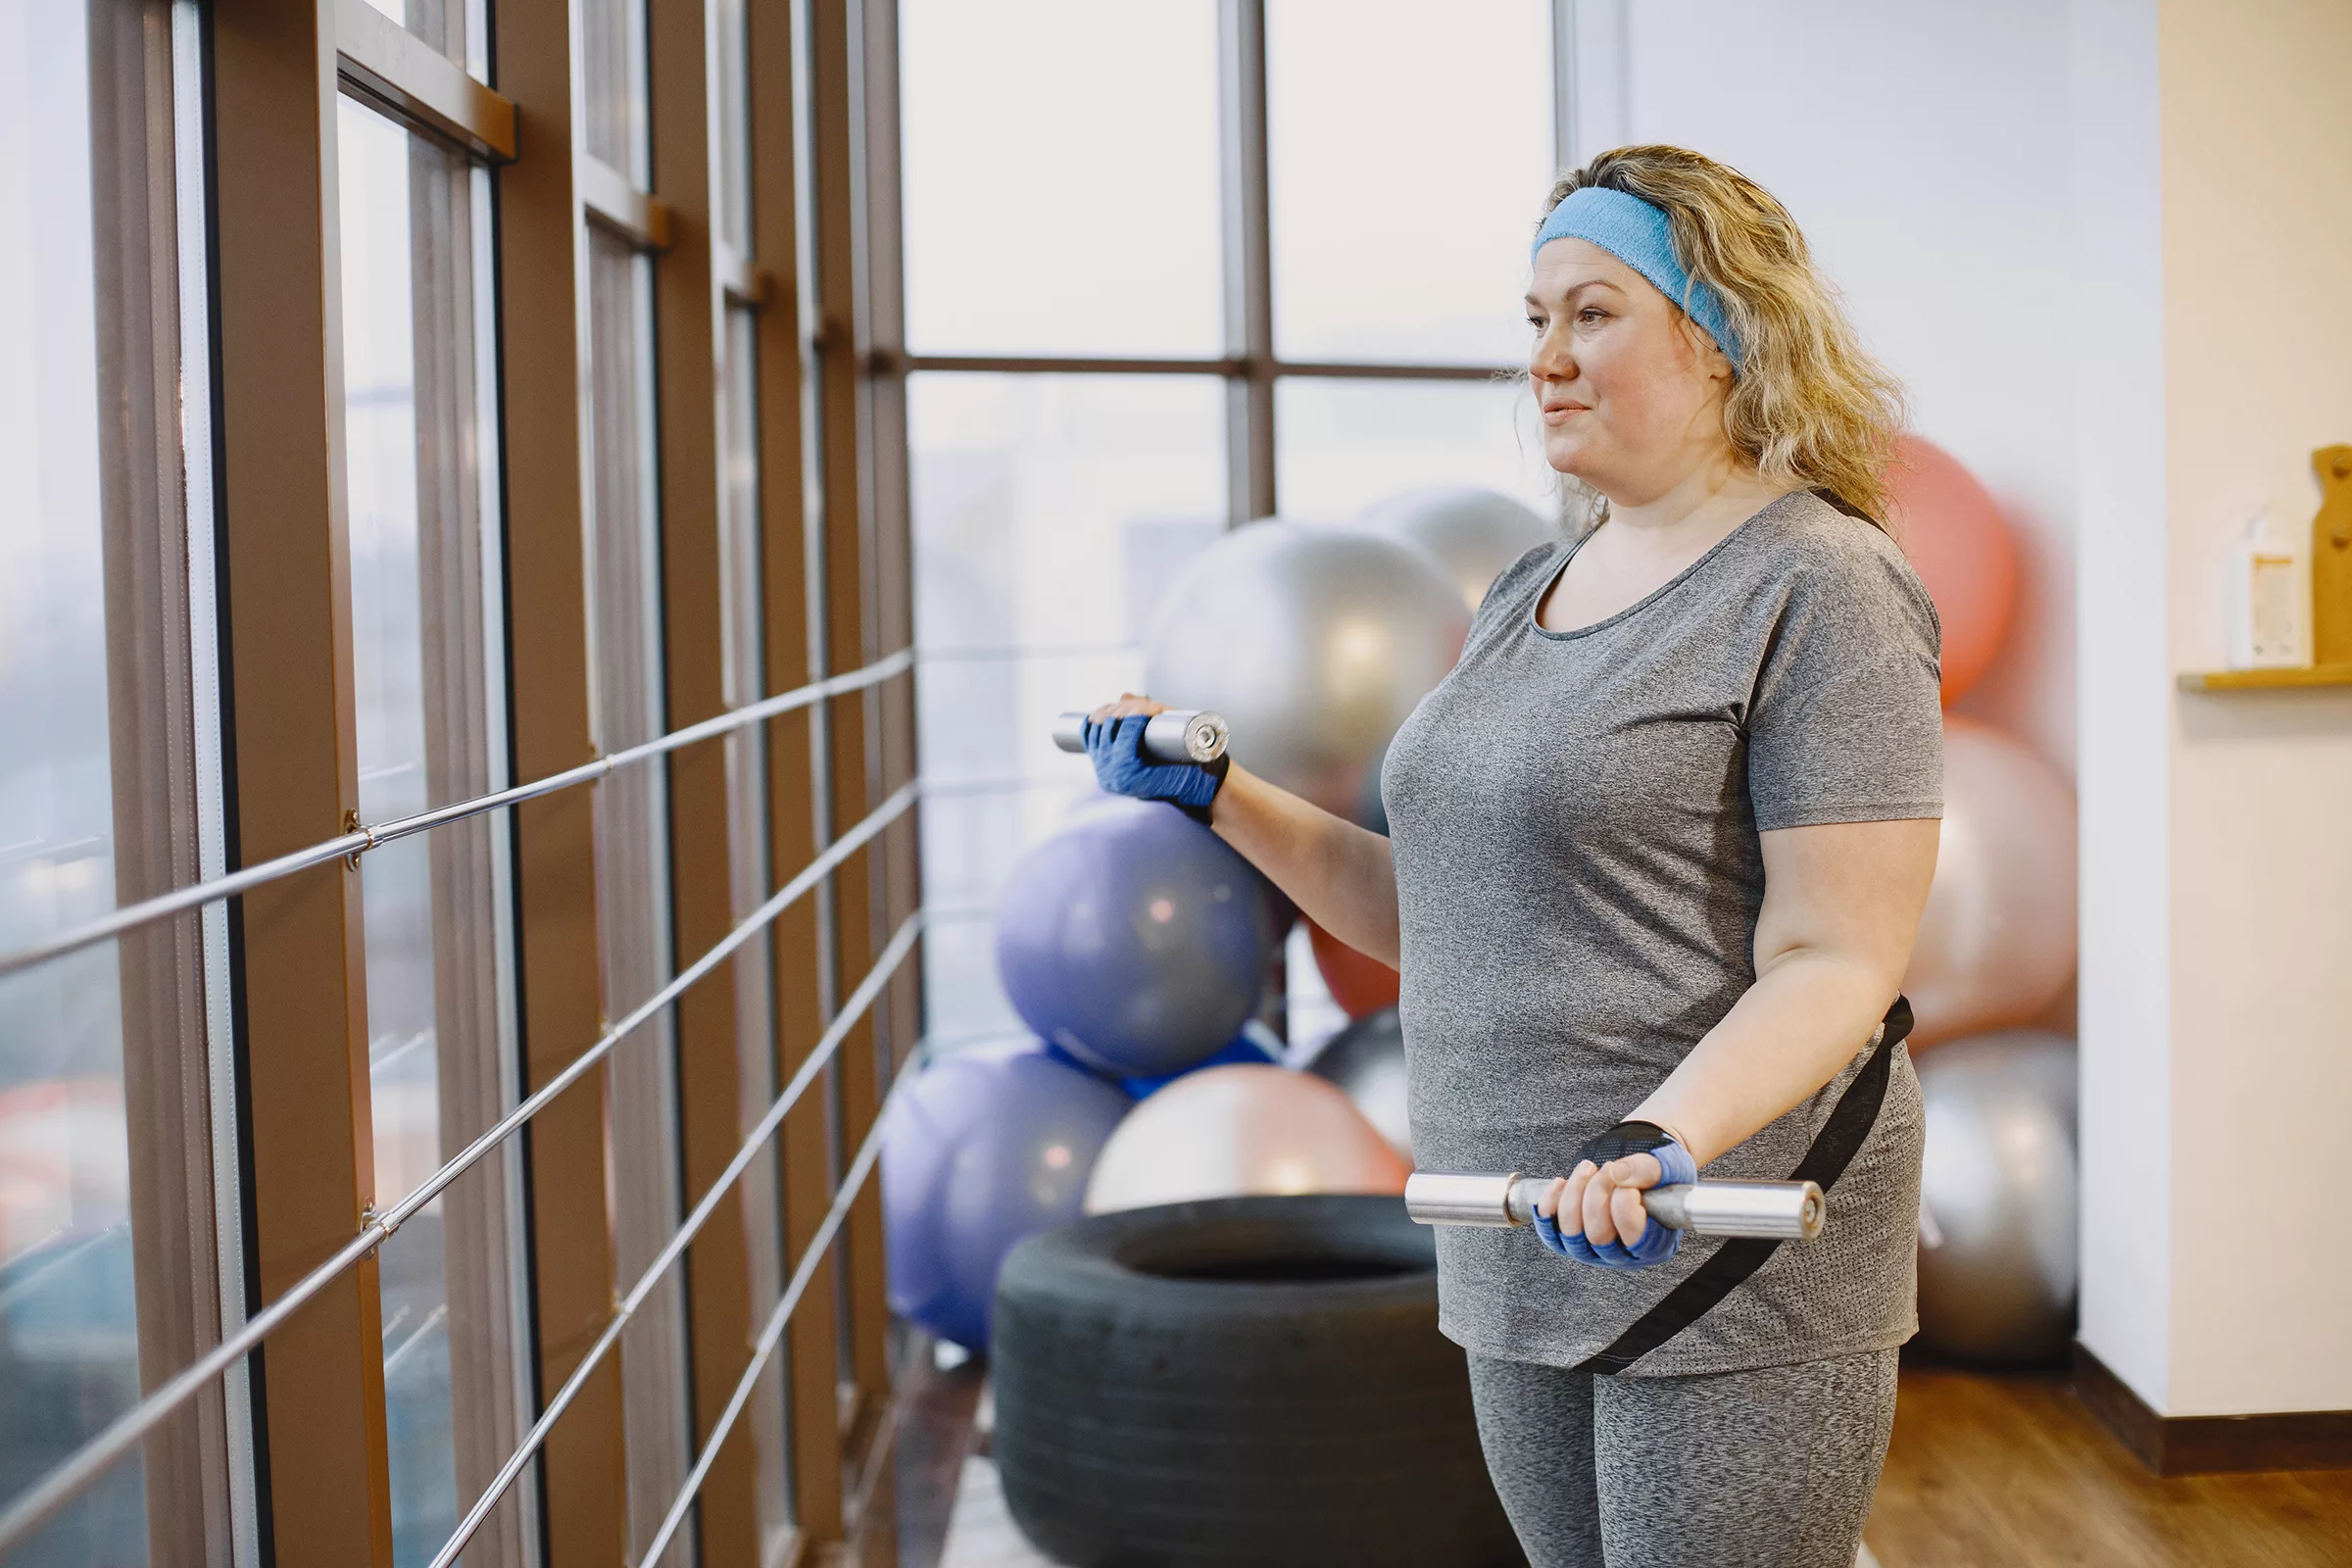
{"points": [[1509, 590], [1847, 721]]}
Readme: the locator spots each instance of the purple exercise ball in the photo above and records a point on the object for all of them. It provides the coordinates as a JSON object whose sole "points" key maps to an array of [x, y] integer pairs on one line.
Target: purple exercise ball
{"points": [[1135, 939], [983, 1151]]}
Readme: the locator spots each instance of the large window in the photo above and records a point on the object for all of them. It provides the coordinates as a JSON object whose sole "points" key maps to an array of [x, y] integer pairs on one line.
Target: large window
{"points": [[120, 1257], [1047, 510], [1408, 147], [406, 1151], [633, 874], [428, 667], [632, 860], [1029, 230], [1271, 264]]}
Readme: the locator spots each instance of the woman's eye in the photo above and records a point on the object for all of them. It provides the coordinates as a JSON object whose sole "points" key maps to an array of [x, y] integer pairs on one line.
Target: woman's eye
{"points": [[1592, 314], [1536, 322]]}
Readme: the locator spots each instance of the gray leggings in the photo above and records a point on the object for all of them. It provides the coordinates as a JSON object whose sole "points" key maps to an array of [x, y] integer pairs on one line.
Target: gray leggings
{"points": [[1771, 1468]]}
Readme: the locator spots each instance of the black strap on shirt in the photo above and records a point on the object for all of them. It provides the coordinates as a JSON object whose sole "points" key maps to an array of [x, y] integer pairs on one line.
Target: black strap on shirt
{"points": [[1834, 1146]]}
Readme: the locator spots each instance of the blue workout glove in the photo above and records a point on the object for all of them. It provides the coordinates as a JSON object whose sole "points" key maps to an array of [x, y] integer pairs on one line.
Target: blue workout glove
{"points": [[1658, 1243], [1116, 749]]}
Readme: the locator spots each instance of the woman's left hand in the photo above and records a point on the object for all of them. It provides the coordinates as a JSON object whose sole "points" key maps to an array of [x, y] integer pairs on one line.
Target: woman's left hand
{"points": [[1603, 1201]]}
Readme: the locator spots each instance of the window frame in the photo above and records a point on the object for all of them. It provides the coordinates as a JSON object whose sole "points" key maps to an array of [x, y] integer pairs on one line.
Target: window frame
{"points": [[804, 126], [1248, 367]]}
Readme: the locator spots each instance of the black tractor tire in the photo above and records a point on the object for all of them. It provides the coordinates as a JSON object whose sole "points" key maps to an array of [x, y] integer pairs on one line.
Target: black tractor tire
{"points": [[1247, 1381]]}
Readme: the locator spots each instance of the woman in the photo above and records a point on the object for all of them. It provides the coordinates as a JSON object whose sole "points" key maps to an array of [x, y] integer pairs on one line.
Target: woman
{"points": [[1658, 847]]}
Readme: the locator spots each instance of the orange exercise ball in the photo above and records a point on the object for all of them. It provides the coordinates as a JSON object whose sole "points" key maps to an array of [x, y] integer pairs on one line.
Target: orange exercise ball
{"points": [[1234, 1132], [1959, 544], [1359, 983], [1996, 945]]}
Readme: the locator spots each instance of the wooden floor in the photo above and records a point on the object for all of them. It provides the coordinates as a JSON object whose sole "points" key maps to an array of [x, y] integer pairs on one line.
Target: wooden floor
{"points": [[2011, 1471], [1987, 1471], [902, 1521]]}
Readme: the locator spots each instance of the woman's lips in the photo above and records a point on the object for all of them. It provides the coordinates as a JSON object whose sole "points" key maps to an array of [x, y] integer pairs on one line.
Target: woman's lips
{"points": [[1558, 412]]}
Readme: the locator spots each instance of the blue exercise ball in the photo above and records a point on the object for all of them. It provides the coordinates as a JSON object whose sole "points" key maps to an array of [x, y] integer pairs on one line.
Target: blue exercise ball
{"points": [[1135, 939], [983, 1151], [1281, 913], [1244, 1050]]}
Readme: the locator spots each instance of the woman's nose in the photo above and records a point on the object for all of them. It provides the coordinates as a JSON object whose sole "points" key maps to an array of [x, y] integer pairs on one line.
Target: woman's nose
{"points": [[1550, 360]]}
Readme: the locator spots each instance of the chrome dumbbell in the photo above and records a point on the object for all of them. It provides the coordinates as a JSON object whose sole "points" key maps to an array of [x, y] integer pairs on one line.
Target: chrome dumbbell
{"points": [[1179, 735], [1773, 1211]]}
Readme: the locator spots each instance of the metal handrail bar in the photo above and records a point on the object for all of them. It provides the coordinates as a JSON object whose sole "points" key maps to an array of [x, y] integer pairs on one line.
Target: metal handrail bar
{"points": [[976, 784], [773, 1334], [68, 1480], [362, 839], [965, 653], [860, 1000], [719, 952]]}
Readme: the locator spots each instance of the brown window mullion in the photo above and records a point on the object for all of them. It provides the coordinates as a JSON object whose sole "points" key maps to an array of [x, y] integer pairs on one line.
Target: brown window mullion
{"points": [[542, 350], [286, 563], [790, 512], [852, 739], [690, 306]]}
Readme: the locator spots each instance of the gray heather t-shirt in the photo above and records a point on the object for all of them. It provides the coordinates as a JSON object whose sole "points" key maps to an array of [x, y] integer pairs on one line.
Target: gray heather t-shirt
{"points": [[1574, 818]]}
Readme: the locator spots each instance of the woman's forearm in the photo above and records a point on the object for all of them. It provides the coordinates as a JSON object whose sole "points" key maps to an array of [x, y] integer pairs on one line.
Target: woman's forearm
{"points": [[1793, 1031], [1338, 875]]}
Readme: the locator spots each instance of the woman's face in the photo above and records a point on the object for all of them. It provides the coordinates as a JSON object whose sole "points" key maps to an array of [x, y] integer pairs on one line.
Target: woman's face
{"points": [[1632, 396]]}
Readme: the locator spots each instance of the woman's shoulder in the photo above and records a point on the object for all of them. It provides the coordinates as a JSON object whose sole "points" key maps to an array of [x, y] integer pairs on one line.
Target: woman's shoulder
{"points": [[1816, 545], [1515, 578]]}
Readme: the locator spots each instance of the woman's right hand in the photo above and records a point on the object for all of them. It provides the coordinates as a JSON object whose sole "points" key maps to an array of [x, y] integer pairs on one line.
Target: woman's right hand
{"points": [[1338, 875], [1114, 744], [1128, 703], [1595, 1214]]}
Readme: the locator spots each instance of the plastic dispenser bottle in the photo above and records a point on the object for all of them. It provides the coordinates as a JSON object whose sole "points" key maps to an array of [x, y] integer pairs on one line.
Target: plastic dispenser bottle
{"points": [[2266, 600]]}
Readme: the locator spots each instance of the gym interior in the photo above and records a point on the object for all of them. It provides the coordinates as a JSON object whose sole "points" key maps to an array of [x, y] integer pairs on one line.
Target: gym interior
{"points": [[588, 976]]}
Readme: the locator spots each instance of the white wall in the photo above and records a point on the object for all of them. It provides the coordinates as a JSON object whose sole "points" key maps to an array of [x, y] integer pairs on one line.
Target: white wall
{"points": [[2256, 125], [2104, 244], [2122, 776], [1922, 148]]}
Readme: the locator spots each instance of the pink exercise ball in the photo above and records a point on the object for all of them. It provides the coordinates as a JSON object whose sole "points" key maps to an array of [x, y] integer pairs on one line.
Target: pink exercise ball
{"points": [[1232, 1131], [1959, 544], [1996, 945], [1359, 983]]}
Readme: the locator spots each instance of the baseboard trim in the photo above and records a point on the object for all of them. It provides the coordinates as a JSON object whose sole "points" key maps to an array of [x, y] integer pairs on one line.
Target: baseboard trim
{"points": [[2211, 1444]]}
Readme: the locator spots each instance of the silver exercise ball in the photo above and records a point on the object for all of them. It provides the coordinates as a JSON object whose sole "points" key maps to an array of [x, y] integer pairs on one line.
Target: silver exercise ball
{"points": [[1997, 1218], [1314, 643], [1366, 1059], [1472, 532]]}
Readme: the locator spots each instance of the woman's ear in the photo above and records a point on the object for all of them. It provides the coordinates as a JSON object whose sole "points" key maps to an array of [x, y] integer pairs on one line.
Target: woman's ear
{"points": [[1718, 364], [1712, 361]]}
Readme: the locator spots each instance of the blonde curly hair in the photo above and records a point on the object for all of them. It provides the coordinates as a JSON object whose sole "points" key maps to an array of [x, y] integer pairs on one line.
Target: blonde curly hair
{"points": [[1809, 406]]}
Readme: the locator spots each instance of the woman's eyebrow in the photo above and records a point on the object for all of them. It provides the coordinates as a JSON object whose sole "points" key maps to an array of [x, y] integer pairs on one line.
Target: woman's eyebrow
{"points": [[1578, 288]]}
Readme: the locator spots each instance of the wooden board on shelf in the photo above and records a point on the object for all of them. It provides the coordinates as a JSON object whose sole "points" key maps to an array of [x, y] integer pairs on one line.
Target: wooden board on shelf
{"points": [[2237, 680], [2332, 558]]}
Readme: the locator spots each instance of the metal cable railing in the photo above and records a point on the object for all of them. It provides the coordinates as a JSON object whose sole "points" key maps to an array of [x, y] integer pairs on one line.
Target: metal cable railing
{"points": [[90, 1461], [35, 1507], [852, 1010], [359, 840], [770, 1336]]}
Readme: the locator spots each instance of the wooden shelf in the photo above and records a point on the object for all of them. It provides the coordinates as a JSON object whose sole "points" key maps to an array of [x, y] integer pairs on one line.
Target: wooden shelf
{"points": [[2239, 680]]}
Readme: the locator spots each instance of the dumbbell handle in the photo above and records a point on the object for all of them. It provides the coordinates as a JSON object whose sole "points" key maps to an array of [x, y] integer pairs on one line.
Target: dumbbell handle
{"points": [[1179, 735], [1778, 1210]]}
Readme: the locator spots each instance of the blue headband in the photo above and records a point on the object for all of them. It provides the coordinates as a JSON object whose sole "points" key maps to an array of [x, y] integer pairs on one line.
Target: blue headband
{"points": [[1638, 234]]}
